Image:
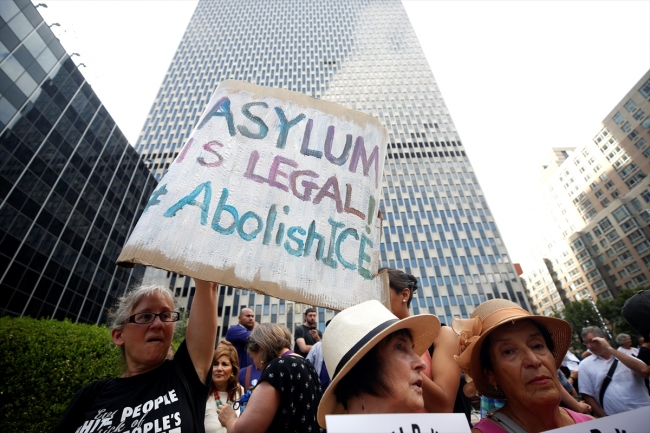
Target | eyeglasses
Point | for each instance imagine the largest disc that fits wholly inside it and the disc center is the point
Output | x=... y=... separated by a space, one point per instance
x=144 y=318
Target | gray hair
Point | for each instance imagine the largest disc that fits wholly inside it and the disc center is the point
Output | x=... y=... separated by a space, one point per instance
x=592 y=330
x=270 y=337
x=620 y=339
x=127 y=303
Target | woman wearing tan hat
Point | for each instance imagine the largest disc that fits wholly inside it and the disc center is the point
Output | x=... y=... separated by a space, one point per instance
x=511 y=354
x=374 y=361
x=441 y=374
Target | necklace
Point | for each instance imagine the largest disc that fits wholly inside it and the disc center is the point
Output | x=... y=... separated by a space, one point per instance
x=217 y=398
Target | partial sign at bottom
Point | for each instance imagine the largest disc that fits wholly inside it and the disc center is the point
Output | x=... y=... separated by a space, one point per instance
x=634 y=421
x=398 y=423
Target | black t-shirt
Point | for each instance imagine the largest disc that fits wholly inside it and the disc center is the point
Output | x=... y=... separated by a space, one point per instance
x=156 y=401
x=300 y=393
x=302 y=331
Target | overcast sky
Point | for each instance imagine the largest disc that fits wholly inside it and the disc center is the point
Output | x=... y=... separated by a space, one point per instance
x=518 y=77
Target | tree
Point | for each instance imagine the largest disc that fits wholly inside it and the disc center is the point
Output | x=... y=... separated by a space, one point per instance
x=610 y=309
x=579 y=314
x=582 y=313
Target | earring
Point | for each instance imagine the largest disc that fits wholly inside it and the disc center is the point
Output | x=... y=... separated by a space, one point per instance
x=403 y=300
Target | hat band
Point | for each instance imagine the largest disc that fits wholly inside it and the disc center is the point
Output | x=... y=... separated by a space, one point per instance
x=366 y=338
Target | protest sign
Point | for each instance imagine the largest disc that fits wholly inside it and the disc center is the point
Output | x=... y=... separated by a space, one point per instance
x=398 y=423
x=634 y=421
x=275 y=192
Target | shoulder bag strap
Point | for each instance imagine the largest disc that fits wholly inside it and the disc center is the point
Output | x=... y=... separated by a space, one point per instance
x=506 y=423
x=606 y=382
x=181 y=376
x=247 y=380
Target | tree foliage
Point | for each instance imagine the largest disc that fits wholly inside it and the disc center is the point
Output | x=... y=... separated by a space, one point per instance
x=582 y=313
x=43 y=363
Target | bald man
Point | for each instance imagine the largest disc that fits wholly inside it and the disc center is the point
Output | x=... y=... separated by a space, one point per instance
x=239 y=333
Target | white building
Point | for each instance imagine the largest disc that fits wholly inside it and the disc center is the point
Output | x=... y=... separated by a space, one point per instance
x=365 y=56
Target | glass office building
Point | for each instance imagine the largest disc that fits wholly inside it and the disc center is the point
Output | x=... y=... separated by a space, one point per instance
x=364 y=55
x=71 y=186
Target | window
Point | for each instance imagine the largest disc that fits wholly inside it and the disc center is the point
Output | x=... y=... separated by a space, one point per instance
x=646 y=123
x=599 y=194
x=630 y=105
x=645 y=89
x=641 y=143
x=611 y=236
x=599 y=285
x=639 y=114
x=628 y=225
x=636 y=236
x=618 y=246
x=628 y=170
x=633 y=135
x=609 y=185
x=626 y=127
x=604 y=225
x=593 y=275
x=618 y=118
x=620 y=213
x=578 y=245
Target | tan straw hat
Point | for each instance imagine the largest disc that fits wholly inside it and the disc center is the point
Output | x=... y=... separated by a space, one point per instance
x=354 y=331
x=486 y=318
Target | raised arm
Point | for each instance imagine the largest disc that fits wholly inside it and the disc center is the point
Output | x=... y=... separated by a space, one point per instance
x=637 y=366
x=201 y=331
x=440 y=393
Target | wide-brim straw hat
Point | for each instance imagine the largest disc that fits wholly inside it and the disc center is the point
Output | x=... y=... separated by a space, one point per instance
x=486 y=318
x=354 y=331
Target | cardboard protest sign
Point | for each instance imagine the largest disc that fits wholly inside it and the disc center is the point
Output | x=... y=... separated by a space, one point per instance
x=398 y=423
x=634 y=421
x=275 y=192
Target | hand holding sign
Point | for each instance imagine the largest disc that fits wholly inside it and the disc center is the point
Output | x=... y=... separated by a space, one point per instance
x=275 y=192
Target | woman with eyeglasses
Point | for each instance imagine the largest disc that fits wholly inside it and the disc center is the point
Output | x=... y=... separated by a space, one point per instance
x=153 y=393
x=225 y=389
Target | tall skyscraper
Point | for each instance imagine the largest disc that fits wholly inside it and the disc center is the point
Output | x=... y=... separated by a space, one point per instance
x=599 y=198
x=363 y=55
x=71 y=186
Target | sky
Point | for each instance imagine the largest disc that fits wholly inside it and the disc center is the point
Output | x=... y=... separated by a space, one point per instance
x=518 y=77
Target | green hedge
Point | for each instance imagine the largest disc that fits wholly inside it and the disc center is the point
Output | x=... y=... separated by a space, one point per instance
x=43 y=363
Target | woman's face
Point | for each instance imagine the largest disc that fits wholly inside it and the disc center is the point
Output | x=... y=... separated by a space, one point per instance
x=524 y=368
x=257 y=359
x=402 y=367
x=146 y=344
x=221 y=371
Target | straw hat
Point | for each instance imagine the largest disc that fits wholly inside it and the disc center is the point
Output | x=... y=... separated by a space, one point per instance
x=356 y=330
x=486 y=318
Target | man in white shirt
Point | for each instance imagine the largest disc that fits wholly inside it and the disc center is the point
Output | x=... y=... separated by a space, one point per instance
x=624 y=342
x=626 y=391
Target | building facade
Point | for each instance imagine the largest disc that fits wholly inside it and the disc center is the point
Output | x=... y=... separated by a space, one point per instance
x=599 y=196
x=71 y=186
x=363 y=55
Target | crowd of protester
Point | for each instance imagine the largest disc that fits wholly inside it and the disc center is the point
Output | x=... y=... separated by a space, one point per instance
x=513 y=366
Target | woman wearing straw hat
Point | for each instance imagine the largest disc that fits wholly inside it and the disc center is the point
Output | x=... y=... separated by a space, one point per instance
x=374 y=361
x=511 y=354
x=441 y=374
